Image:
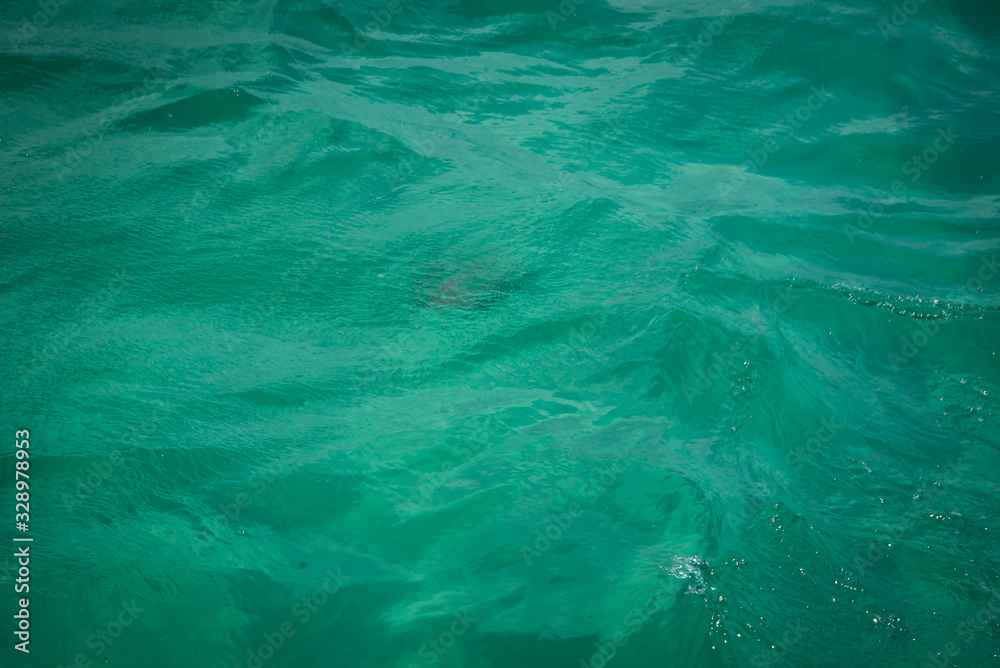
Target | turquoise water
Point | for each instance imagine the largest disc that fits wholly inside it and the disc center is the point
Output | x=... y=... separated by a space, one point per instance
x=503 y=333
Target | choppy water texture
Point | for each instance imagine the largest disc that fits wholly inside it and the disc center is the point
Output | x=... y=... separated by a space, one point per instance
x=504 y=333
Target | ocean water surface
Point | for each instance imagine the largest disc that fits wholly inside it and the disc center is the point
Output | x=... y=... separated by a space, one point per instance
x=503 y=333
